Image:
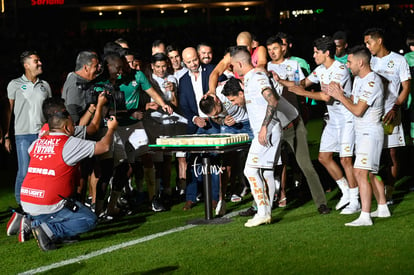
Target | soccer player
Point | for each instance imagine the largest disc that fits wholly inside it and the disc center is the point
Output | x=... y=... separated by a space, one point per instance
x=338 y=135
x=366 y=103
x=394 y=68
x=261 y=103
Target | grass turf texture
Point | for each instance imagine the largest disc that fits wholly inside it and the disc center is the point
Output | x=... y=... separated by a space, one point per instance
x=299 y=241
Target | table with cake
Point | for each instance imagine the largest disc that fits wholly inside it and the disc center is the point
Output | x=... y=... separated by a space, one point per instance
x=203 y=144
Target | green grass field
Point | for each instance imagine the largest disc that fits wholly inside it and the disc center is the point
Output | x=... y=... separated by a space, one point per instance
x=298 y=241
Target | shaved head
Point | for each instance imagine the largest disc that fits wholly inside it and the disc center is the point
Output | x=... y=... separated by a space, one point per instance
x=190 y=59
x=244 y=39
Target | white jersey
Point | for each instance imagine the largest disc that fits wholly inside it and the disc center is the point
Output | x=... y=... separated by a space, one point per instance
x=239 y=114
x=371 y=90
x=394 y=68
x=180 y=73
x=337 y=72
x=161 y=80
x=256 y=104
x=286 y=69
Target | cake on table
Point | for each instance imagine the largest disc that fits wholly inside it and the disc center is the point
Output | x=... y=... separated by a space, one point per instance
x=205 y=139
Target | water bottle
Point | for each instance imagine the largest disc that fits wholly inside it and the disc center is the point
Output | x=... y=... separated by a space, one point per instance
x=296 y=78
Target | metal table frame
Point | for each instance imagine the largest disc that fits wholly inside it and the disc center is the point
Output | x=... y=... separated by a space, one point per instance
x=205 y=150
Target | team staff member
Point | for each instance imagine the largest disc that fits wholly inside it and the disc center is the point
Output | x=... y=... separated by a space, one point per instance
x=50 y=178
x=26 y=95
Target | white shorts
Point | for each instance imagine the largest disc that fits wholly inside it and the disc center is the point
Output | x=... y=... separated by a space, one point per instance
x=396 y=139
x=260 y=156
x=180 y=154
x=368 y=148
x=338 y=139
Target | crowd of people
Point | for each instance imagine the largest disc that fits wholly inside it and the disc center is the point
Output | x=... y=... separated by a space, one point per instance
x=83 y=155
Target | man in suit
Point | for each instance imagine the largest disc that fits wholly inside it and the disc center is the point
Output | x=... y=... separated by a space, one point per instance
x=193 y=85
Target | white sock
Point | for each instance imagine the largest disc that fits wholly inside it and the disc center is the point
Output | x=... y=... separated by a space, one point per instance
x=354 y=195
x=382 y=207
x=343 y=185
x=365 y=215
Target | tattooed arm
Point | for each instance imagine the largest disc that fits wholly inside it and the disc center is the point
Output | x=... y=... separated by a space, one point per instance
x=272 y=99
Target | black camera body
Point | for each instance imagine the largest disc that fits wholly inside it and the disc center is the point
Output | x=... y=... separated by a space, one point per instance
x=116 y=98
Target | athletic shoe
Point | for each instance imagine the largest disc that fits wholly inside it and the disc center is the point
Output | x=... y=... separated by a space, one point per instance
x=251 y=211
x=235 y=198
x=221 y=208
x=360 y=222
x=257 y=220
x=344 y=201
x=244 y=192
x=157 y=206
x=323 y=209
x=13 y=224
x=351 y=209
x=381 y=214
x=25 y=230
x=43 y=241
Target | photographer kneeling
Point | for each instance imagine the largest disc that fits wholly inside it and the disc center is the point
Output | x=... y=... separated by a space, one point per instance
x=49 y=184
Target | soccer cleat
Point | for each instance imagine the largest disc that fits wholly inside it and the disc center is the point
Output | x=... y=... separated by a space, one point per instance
x=13 y=224
x=43 y=241
x=351 y=209
x=257 y=220
x=25 y=230
x=251 y=211
x=344 y=201
x=360 y=222
x=235 y=198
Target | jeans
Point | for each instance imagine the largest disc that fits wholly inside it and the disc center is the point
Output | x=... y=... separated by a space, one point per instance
x=23 y=143
x=65 y=223
x=197 y=178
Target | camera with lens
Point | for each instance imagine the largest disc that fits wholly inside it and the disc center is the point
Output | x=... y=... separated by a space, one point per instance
x=116 y=98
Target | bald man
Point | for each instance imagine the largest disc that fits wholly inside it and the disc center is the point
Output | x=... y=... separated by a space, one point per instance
x=258 y=59
x=193 y=85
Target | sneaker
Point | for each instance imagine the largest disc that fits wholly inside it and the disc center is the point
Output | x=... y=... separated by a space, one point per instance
x=157 y=206
x=25 y=230
x=13 y=225
x=360 y=222
x=351 y=209
x=221 y=208
x=43 y=241
x=199 y=197
x=257 y=220
x=244 y=192
x=251 y=211
x=235 y=198
x=344 y=201
x=323 y=209
x=88 y=202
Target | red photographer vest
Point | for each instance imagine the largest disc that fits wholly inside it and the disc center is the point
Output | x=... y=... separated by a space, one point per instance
x=48 y=176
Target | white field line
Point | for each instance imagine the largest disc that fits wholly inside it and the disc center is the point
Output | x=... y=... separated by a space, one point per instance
x=113 y=248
